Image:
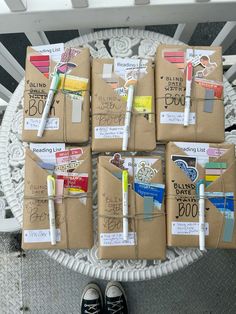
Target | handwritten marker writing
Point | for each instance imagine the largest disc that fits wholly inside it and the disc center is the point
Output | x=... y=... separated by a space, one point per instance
x=189 y=77
x=125 y=204
x=201 y=217
x=52 y=91
x=51 y=209
x=127 y=117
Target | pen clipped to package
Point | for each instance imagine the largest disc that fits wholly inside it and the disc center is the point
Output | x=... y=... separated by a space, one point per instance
x=123 y=113
x=56 y=98
x=131 y=216
x=57 y=197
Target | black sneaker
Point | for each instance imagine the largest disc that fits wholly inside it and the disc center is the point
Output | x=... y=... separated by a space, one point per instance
x=91 y=300
x=115 y=299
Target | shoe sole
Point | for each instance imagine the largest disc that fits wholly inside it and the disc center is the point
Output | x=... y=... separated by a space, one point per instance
x=92 y=286
x=117 y=284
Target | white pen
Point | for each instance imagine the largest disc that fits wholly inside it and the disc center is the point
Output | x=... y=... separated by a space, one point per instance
x=127 y=117
x=125 y=204
x=202 y=217
x=189 y=77
x=52 y=91
x=51 y=208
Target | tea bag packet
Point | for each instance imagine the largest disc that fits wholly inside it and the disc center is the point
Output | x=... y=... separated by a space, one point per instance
x=145 y=236
x=70 y=169
x=123 y=105
x=187 y=166
x=189 y=94
x=68 y=118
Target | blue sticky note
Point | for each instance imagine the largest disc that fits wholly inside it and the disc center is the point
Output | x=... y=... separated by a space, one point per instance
x=46 y=165
x=223 y=203
x=154 y=190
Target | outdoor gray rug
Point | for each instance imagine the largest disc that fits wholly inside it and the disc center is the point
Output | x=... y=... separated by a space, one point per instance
x=36 y=284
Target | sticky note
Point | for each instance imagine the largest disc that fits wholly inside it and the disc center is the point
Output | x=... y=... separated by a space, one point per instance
x=40 y=63
x=209 y=100
x=107 y=70
x=46 y=165
x=59 y=190
x=148 y=207
x=216 y=165
x=39 y=58
x=76 y=110
x=214 y=171
x=211 y=178
x=228 y=228
x=43 y=69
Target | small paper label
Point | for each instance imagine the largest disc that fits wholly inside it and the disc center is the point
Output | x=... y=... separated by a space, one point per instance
x=109 y=132
x=198 y=150
x=116 y=239
x=68 y=155
x=54 y=50
x=121 y=65
x=40 y=236
x=46 y=152
x=172 y=117
x=33 y=124
x=187 y=228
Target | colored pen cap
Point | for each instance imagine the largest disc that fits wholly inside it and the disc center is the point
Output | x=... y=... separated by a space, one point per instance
x=51 y=185
x=125 y=180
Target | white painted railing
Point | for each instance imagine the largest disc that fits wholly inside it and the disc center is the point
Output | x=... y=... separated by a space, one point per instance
x=33 y=17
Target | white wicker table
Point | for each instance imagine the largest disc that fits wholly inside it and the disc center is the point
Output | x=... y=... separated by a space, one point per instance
x=103 y=44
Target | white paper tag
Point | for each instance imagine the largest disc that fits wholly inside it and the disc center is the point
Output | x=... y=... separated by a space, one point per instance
x=116 y=239
x=33 y=124
x=46 y=152
x=198 y=150
x=109 y=132
x=76 y=110
x=107 y=70
x=40 y=236
x=121 y=65
x=55 y=50
x=172 y=117
x=187 y=228
x=138 y=163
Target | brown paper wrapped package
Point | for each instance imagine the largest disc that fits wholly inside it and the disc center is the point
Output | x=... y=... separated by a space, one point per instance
x=182 y=199
x=36 y=90
x=108 y=109
x=151 y=233
x=170 y=97
x=73 y=218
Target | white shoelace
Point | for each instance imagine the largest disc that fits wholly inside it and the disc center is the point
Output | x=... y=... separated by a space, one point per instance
x=92 y=307
x=116 y=306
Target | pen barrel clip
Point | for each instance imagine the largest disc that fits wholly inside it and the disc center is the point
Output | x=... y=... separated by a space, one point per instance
x=125 y=197
x=202 y=217
x=128 y=117
x=51 y=187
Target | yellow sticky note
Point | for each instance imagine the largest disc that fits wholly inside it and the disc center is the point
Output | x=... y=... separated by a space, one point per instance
x=211 y=178
x=72 y=83
x=143 y=104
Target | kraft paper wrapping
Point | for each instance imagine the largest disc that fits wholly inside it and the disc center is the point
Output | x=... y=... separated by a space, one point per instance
x=182 y=199
x=73 y=218
x=108 y=109
x=150 y=233
x=36 y=90
x=170 y=99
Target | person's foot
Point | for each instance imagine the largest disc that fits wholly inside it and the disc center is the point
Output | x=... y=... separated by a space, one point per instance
x=91 y=300
x=115 y=299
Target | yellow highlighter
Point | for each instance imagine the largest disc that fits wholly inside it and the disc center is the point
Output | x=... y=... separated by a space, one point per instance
x=51 y=209
x=125 y=180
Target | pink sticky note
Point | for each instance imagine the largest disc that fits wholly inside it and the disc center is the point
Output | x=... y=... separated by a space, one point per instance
x=59 y=190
